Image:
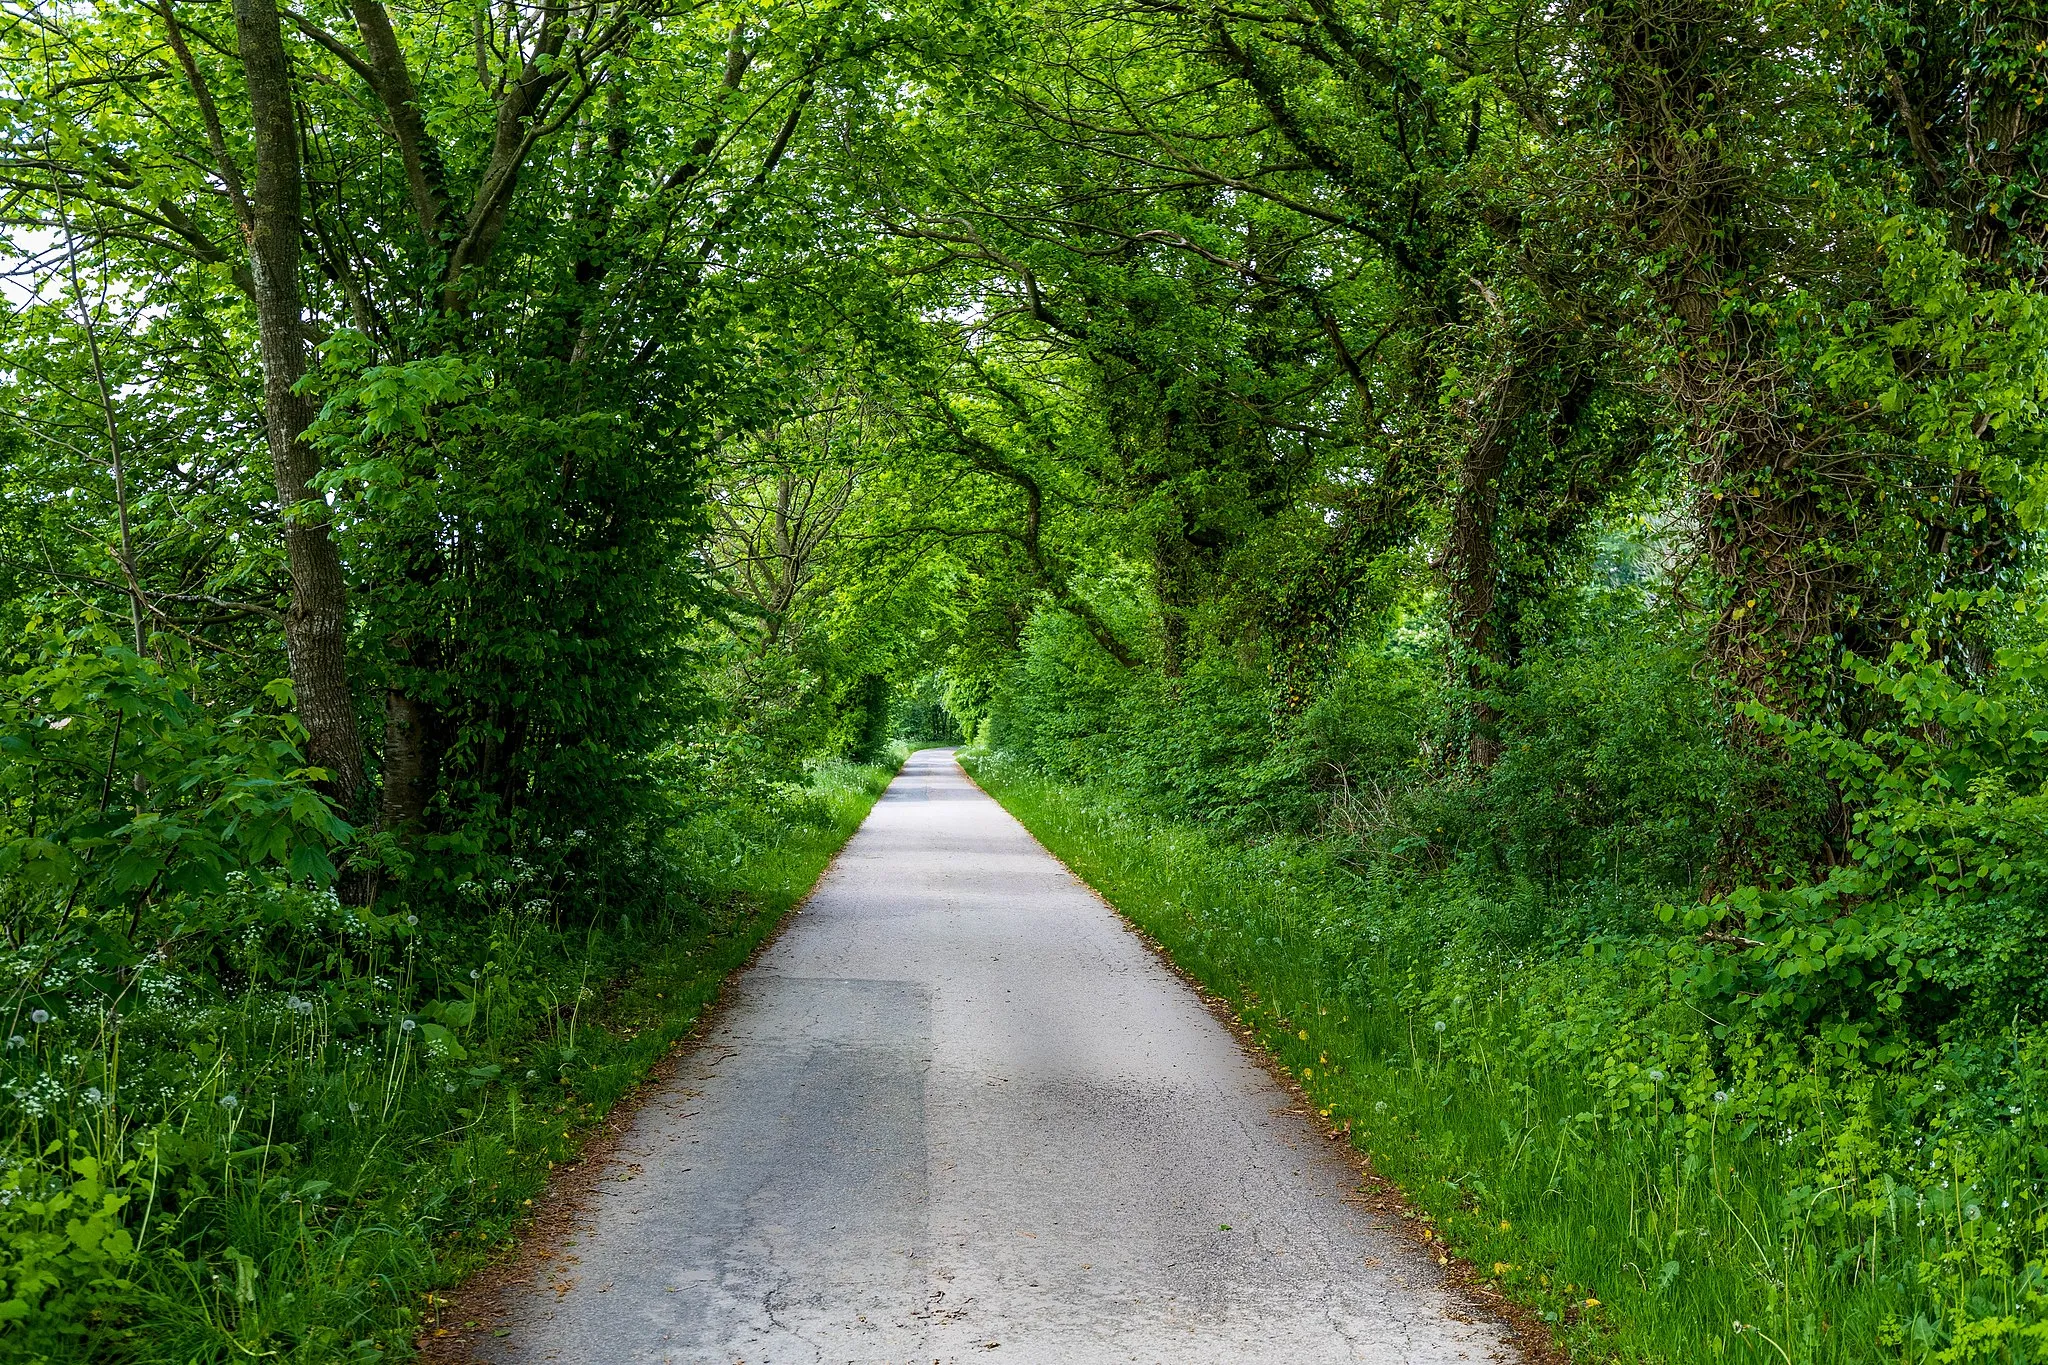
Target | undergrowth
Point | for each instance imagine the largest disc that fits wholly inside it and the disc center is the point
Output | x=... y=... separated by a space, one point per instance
x=282 y=1149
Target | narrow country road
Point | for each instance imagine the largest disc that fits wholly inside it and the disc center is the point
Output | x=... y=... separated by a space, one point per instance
x=958 y=1111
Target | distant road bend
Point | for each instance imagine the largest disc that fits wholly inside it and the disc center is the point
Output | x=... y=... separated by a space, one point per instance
x=958 y=1111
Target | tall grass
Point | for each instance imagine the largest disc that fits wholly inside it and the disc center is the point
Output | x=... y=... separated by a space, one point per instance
x=1656 y=1190
x=219 y=1166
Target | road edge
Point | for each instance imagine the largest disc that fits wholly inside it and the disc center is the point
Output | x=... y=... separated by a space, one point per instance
x=482 y=1298
x=1527 y=1332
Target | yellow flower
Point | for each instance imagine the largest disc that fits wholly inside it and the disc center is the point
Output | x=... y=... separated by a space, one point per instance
x=1303 y=1035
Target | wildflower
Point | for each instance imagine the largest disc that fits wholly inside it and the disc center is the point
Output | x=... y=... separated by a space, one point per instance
x=354 y=1108
x=39 y=1016
x=17 y=1041
x=406 y=1026
x=230 y=1100
x=475 y=975
x=1720 y=1097
x=1656 y=1075
x=1438 y=1026
x=93 y=1095
x=1380 y=1108
x=412 y=919
x=449 y=1087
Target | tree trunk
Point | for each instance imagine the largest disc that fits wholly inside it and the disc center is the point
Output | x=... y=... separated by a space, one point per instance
x=412 y=761
x=316 y=627
x=1471 y=569
x=1676 y=72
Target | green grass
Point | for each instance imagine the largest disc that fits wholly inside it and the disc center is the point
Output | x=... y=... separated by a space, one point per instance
x=324 y=1165
x=1640 y=1228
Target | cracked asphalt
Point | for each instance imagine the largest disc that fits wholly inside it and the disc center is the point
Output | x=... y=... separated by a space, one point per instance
x=959 y=1111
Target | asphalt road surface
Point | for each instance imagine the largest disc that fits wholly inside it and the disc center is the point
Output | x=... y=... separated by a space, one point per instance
x=958 y=1111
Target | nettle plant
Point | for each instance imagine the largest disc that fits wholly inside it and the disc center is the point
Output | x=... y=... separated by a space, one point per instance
x=1938 y=912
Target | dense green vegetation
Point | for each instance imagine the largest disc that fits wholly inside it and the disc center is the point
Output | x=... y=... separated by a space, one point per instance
x=1468 y=513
